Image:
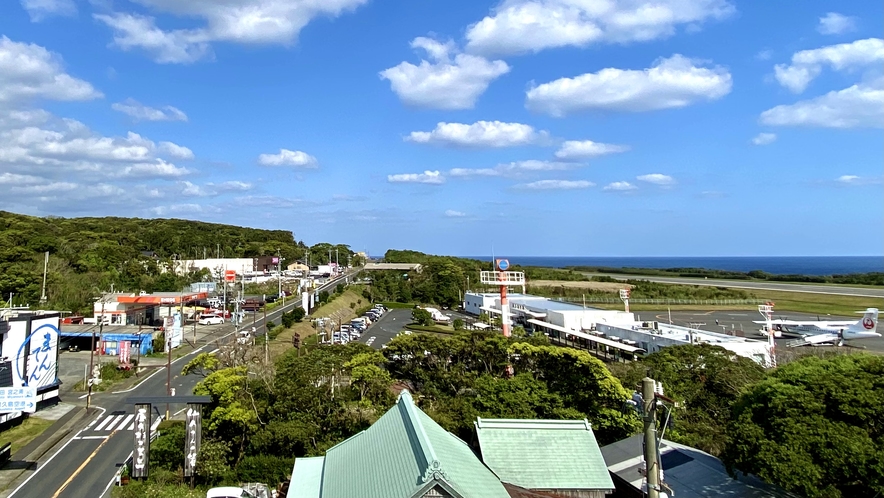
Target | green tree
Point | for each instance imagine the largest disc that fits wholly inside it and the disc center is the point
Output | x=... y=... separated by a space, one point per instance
x=814 y=427
x=288 y=319
x=457 y=324
x=203 y=364
x=422 y=317
x=370 y=379
x=706 y=379
x=298 y=314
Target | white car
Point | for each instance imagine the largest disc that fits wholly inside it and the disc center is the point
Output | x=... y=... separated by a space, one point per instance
x=228 y=492
x=211 y=320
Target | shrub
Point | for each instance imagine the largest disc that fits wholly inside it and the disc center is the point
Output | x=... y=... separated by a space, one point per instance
x=298 y=314
x=269 y=469
x=457 y=324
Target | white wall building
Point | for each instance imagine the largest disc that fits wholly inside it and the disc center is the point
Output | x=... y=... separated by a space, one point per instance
x=29 y=354
x=607 y=331
x=216 y=265
x=525 y=307
x=651 y=336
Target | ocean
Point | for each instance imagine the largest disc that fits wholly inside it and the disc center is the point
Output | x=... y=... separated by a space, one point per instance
x=783 y=265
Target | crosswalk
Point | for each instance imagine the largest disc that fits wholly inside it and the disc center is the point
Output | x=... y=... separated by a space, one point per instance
x=118 y=422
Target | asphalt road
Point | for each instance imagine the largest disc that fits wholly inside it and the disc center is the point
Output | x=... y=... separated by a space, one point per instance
x=86 y=464
x=384 y=330
x=773 y=286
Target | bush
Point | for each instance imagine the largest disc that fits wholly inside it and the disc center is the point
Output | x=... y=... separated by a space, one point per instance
x=159 y=343
x=288 y=319
x=167 y=451
x=422 y=317
x=339 y=289
x=299 y=314
x=457 y=324
x=269 y=469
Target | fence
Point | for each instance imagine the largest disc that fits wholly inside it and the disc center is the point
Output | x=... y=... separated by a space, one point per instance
x=706 y=302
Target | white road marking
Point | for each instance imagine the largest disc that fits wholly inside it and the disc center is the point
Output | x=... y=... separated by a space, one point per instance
x=110 y=427
x=125 y=423
x=104 y=422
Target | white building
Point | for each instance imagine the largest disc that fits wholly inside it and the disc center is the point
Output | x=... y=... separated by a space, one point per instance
x=610 y=332
x=651 y=336
x=524 y=308
x=29 y=354
x=217 y=265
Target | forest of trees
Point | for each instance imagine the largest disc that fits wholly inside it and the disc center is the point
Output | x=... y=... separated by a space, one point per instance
x=810 y=426
x=88 y=255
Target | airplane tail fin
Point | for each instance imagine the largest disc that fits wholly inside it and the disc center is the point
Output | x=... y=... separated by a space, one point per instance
x=868 y=323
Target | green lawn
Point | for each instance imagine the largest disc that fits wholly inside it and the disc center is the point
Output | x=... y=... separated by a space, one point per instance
x=24 y=433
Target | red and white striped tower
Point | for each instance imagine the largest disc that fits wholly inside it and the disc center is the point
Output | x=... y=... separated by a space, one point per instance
x=503 y=278
x=766 y=311
x=504 y=305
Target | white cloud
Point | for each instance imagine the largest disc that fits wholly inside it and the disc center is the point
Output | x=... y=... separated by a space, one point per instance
x=429 y=177
x=175 y=150
x=556 y=185
x=854 y=180
x=287 y=157
x=657 y=179
x=834 y=23
x=619 y=187
x=859 y=106
x=764 y=138
x=29 y=71
x=239 y=21
x=669 y=83
x=231 y=186
x=808 y=64
x=584 y=149
x=454 y=214
x=764 y=55
x=444 y=83
x=520 y=26
x=141 y=112
x=41 y=9
x=479 y=134
x=513 y=168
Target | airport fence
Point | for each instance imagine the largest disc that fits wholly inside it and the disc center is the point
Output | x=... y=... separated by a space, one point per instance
x=687 y=302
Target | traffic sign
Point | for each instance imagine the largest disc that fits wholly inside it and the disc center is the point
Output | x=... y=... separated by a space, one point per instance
x=230 y=275
x=503 y=264
x=18 y=399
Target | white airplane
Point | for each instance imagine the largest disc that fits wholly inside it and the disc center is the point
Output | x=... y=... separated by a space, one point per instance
x=836 y=332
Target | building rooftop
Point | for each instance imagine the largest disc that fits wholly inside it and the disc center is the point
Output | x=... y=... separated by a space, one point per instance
x=690 y=473
x=536 y=301
x=306 y=481
x=543 y=454
x=406 y=454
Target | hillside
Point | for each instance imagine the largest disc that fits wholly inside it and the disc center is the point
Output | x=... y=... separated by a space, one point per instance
x=90 y=254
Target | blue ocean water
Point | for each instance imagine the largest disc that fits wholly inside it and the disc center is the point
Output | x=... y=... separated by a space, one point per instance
x=803 y=265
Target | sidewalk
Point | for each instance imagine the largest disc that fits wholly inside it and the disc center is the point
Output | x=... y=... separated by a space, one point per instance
x=25 y=460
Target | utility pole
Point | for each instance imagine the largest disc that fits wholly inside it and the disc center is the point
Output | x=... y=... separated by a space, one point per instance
x=266 y=339
x=649 y=414
x=279 y=276
x=168 y=371
x=45 y=268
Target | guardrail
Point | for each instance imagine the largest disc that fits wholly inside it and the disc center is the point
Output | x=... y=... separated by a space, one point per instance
x=707 y=302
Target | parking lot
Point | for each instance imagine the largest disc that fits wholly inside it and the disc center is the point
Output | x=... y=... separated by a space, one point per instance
x=384 y=330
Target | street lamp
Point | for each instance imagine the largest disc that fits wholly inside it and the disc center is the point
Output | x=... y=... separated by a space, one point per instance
x=91 y=379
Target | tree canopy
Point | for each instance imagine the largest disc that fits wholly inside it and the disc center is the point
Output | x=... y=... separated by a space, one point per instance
x=705 y=379
x=87 y=255
x=814 y=427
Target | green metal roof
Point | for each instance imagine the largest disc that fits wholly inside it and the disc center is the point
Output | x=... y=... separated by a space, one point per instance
x=306 y=479
x=543 y=454
x=403 y=455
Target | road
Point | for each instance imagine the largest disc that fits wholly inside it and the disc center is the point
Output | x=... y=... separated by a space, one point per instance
x=772 y=286
x=86 y=464
x=386 y=328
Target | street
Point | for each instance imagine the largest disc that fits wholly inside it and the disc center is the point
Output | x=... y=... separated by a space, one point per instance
x=85 y=465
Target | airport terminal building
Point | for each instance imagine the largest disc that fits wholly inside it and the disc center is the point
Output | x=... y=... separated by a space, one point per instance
x=613 y=334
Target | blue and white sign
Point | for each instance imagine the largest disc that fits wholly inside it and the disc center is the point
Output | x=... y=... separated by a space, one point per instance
x=35 y=363
x=503 y=264
x=18 y=399
x=177 y=333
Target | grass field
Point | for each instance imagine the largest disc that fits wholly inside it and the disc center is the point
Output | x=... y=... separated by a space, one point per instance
x=24 y=433
x=339 y=308
x=806 y=302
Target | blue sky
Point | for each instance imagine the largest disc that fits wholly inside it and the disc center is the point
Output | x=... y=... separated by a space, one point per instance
x=538 y=127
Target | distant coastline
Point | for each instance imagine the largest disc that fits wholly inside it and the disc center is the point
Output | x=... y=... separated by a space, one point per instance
x=780 y=265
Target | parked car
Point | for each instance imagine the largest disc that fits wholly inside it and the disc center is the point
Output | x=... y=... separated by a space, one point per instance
x=228 y=492
x=211 y=320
